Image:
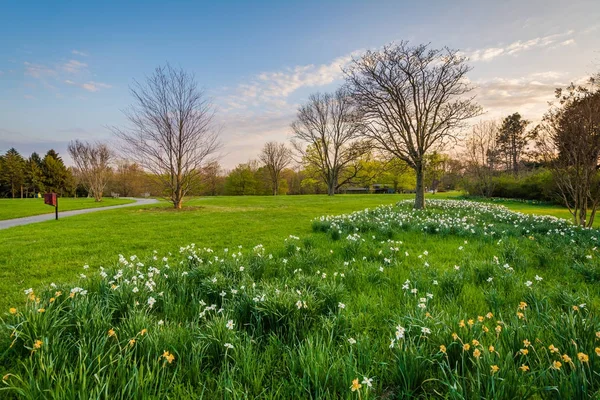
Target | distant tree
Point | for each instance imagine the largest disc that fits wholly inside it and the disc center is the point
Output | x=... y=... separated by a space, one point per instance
x=481 y=157
x=326 y=136
x=275 y=157
x=13 y=172
x=92 y=165
x=570 y=143
x=511 y=141
x=34 y=174
x=411 y=100
x=435 y=169
x=241 y=181
x=171 y=132
x=57 y=178
x=128 y=179
x=212 y=178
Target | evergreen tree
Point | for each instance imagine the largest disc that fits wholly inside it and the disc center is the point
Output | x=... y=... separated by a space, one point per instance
x=13 y=173
x=511 y=141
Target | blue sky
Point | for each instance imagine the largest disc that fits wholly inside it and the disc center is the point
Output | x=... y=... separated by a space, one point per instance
x=65 y=67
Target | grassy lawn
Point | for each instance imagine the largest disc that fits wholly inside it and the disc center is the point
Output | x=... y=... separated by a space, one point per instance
x=54 y=251
x=463 y=300
x=18 y=208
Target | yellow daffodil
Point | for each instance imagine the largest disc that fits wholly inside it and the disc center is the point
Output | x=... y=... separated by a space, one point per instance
x=461 y=324
x=131 y=342
x=111 y=332
x=466 y=347
x=524 y=351
x=443 y=348
x=454 y=336
x=566 y=358
x=143 y=332
x=485 y=329
x=476 y=353
x=52 y=299
x=522 y=305
x=494 y=369
x=475 y=342
x=598 y=351
x=12 y=310
x=526 y=343
x=553 y=349
x=168 y=356
x=491 y=349
x=583 y=357
x=520 y=315
x=57 y=294
x=480 y=318
x=498 y=329
x=470 y=322
x=556 y=365
x=355 y=385
x=37 y=344
x=489 y=315
x=41 y=310
x=524 y=368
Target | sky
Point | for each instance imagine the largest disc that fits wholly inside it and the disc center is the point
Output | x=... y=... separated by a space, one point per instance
x=66 y=66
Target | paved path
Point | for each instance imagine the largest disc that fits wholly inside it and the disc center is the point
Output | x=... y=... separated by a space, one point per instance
x=9 y=223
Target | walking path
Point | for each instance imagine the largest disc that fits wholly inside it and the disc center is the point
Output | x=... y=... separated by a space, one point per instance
x=9 y=223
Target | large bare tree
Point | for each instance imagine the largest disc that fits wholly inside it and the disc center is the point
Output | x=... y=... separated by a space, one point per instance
x=570 y=143
x=92 y=165
x=412 y=100
x=171 y=132
x=327 y=137
x=275 y=156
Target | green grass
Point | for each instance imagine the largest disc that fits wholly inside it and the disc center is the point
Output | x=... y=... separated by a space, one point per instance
x=18 y=208
x=310 y=314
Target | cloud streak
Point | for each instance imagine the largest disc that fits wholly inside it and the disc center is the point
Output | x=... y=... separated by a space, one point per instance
x=90 y=86
x=514 y=48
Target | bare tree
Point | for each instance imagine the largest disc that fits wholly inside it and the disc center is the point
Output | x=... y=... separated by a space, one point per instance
x=171 y=130
x=326 y=135
x=481 y=156
x=92 y=165
x=570 y=144
x=412 y=100
x=275 y=156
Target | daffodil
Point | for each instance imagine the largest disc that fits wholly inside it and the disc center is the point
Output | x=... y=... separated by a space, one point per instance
x=524 y=368
x=466 y=346
x=526 y=343
x=12 y=310
x=37 y=344
x=111 y=332
x=168 y=356
x=556 y=365
x=553 y=349
x=443 y=348
x=524 y=351
x=583 y=357
x=494 y=369
x=355 y=385
x=598 y=351
x=476 y=353
x=566 y=358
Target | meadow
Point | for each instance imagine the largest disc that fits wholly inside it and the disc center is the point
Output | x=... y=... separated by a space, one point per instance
x=19 y=208
x=302 y=297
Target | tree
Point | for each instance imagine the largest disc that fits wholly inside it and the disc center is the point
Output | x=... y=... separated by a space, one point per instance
x=13 y=172
x=212 y=178
x=435 y=169
x=92 y=165
x=275 y=156
x=511 y=141
x=34 y=174
x=128 y=179
x=480 y=156
x=171 y=132
x=57 y=178
x=241 y=181
x=570 y=144
x=329 y=128
x=411 y=101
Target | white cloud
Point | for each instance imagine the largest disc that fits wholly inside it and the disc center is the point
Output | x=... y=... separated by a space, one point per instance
x=519 y=46
x=90 y=86
x=79 y=53
x=74 y=66
x=38 y=70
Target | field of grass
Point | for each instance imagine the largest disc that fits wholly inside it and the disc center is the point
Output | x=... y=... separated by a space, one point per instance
x=463 y=300
x=18 y=208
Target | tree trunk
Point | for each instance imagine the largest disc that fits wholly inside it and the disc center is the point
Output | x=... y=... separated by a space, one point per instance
x=420 y=195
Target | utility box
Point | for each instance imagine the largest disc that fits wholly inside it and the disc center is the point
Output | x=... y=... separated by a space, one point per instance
x=50 y=199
